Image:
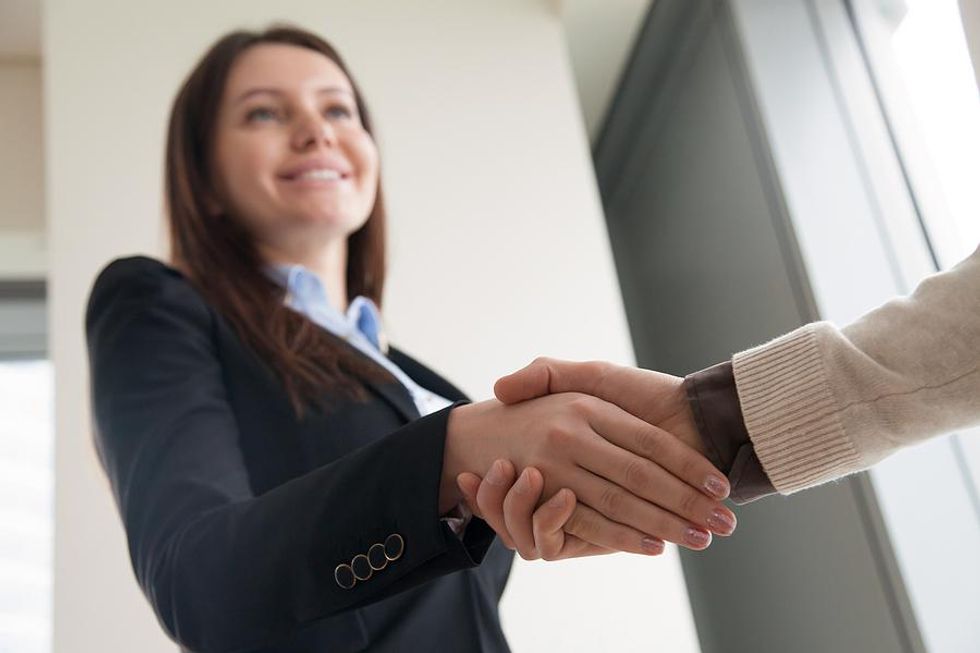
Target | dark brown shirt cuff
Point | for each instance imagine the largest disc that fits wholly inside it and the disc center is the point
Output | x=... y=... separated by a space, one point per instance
x=713 y=397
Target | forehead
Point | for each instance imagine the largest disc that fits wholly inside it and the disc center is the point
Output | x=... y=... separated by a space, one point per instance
x=289 y=68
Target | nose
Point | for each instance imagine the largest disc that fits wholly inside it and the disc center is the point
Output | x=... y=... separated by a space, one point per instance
x=313 y=130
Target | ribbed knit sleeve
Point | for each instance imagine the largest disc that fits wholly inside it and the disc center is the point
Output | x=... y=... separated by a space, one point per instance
x=822 y=402
x=791 y=412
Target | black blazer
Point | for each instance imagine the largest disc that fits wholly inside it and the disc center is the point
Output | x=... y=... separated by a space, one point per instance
x=240 y=518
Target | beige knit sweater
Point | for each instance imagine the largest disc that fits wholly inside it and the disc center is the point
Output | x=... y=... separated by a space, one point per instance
x=822 y=402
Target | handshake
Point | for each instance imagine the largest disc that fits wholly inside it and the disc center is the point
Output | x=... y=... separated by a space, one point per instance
x=579 y=459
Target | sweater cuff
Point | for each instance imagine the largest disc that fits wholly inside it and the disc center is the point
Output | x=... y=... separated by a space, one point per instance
x=714 y=401
x=790 y=411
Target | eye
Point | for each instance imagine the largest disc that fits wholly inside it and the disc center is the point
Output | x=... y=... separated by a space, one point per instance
x=338 y=111
x=261 y=114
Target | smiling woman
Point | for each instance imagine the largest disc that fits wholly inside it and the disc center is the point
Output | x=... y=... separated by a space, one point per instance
x=278 y=114
x=288 y=481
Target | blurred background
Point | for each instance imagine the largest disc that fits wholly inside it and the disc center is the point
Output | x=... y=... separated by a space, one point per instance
x=660 y=183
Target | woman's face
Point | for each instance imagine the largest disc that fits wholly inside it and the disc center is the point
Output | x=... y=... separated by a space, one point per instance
x=292 y=159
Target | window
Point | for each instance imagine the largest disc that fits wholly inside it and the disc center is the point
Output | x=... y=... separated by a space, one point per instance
x=921 y=66
x=919 y=63
x=26 y=505
x=870 y=108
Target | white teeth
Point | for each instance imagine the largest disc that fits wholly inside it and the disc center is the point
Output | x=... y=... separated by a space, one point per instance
x=322 y=173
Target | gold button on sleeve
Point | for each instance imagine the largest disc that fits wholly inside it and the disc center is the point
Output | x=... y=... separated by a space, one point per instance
x=376 y=557
x=361 y=567
x=344 y=576
x=394 y=547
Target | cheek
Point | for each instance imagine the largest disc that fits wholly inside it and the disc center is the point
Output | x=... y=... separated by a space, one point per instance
x=244 y=169
x=366 y=154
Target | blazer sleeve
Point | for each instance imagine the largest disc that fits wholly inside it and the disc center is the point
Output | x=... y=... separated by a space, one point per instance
x=226 y=570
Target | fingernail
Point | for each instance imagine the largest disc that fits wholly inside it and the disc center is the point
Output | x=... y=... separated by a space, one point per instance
x=559 y=501
x=496 y=474
x=717 y=487
x=722 y=522
x=697 y=537
x=652 y=545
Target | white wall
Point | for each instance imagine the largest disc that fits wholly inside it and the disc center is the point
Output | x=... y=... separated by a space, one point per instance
x=493 y=207
x=22 y=253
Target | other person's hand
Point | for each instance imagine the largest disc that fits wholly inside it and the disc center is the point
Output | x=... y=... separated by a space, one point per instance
x=654 y=397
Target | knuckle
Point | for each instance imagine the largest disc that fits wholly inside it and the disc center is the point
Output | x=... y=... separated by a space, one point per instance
x=601 y=372
x=583 y=525
x=613 y=502
x=648 y=444
x=558 y=436
x=635 y=475
x=582 y=404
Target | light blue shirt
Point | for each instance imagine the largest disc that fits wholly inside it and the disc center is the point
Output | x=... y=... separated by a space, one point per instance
x=360 y=326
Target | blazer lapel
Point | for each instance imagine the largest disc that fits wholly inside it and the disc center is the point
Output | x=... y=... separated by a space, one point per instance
x=425 y=377
x=395 y=394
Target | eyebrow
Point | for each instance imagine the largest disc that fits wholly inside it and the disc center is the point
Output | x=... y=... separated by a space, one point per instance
x=275 y=91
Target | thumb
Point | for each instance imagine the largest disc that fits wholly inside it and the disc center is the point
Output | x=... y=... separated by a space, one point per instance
x=547 y=376
x=526 y=383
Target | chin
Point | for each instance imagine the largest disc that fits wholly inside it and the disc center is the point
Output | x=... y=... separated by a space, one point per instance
x=336 y=225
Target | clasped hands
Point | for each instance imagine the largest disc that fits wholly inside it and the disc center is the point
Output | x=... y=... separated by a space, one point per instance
x=579 y=459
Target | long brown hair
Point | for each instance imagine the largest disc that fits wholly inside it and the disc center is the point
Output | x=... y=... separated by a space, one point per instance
x=222 y=261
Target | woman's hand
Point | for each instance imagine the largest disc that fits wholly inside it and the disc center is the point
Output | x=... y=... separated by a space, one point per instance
x=511 y=509
x=631 y=480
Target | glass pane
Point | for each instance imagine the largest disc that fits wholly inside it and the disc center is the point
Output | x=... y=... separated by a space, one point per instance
x=26 y=506
x=921 y=62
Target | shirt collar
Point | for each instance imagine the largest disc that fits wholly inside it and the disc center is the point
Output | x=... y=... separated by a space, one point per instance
x=305 y=293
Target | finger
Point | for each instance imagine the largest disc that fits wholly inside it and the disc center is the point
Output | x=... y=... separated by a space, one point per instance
x=597 y=533
x=576 y=548
x=519 y=507
x=547 y=376
x=654 y=465
x=469 y=484
x=550 y=538
x=619 y=505
x=490 y=498
x=548 y=524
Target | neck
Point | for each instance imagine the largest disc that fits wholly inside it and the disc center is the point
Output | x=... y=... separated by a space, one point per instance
x=328 y=262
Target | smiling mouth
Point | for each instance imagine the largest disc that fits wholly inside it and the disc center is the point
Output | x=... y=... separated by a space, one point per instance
x=320 y=174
